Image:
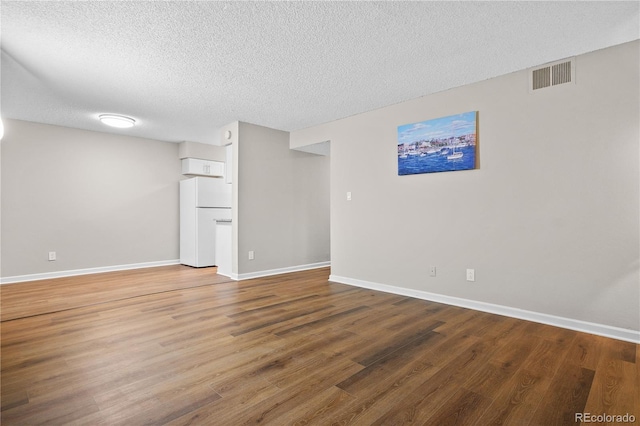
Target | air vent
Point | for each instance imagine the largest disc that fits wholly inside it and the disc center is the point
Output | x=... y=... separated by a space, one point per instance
x=541 y=78
x=552 y=75
x=561 y=73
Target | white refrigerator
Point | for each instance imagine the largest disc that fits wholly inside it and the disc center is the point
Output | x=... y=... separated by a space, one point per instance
x=204 y=203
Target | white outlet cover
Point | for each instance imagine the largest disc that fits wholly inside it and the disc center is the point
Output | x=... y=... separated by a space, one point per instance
x=471 y=274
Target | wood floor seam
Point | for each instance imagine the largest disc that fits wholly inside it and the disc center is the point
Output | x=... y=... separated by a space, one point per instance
x=99 y=303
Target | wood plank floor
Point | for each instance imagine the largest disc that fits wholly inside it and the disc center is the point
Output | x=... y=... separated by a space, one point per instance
x=46 y=296
x=187 y=347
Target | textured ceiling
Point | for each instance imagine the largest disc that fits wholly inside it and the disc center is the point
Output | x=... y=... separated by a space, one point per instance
x=184 y=69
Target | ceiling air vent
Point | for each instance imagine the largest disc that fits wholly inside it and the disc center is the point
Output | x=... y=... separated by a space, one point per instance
x=550 y=75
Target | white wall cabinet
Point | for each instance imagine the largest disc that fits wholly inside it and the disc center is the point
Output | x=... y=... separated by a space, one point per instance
x=198 y=167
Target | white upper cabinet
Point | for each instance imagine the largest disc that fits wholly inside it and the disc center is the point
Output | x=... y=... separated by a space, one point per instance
x=198 y=167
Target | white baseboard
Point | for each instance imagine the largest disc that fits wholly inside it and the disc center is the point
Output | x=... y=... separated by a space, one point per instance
x=228 y=275
x=627 y=335
x=279 y=271
x=74 y=272
x=236 y=277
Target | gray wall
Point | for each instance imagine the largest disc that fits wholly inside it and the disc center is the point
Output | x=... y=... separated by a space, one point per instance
x=283 y=202
x=96 y=199
x=549 y=221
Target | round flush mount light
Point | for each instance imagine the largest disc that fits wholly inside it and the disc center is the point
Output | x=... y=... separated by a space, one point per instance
x=119 y=121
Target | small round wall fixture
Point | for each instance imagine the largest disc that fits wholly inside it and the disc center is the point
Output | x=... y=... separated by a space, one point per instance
x=119 y=121
x=227 y=134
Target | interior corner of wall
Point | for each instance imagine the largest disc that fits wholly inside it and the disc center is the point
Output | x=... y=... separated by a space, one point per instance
x=318 y=135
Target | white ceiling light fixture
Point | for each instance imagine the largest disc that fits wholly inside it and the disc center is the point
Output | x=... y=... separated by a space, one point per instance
x=119 y=121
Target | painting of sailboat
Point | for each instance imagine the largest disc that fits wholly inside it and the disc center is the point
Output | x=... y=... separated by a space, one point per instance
x=438 y=145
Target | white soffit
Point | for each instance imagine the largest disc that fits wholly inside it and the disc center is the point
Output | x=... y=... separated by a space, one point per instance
x=186 y=68
x=320 y=148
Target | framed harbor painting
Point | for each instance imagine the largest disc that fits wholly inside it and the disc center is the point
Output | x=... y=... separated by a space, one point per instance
x=439 y=145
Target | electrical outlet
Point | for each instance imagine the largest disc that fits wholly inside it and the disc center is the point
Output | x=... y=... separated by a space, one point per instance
x=52 y=255
x=471 y=274
x=251 y=255
x=432 y=271
x=349 y=196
